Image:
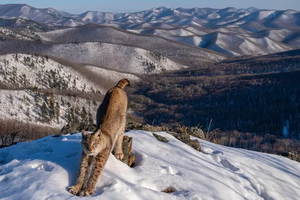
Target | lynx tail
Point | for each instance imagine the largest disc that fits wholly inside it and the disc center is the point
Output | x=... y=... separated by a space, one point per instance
x=122 y=83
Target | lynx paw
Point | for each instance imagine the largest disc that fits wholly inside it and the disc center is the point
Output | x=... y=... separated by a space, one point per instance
x=119 y=156
x=86 y=193
x=74 y=190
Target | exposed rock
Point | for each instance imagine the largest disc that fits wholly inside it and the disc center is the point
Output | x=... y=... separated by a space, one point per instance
x=185 y=138
x=168 y=190
x=75 y=128
x=197 y=132
x=160 y=138
x=131 y=125
x=194 y=131
x=194 y=144
x=294 y=155
x=127 y=148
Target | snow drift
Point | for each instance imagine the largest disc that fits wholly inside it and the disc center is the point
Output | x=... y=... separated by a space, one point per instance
x=43 y=169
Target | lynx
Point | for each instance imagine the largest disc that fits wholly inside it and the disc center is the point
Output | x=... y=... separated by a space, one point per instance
x=98 y=145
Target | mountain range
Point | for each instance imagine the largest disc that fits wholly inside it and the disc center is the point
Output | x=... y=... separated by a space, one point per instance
x=160 y=17
x=228 y=31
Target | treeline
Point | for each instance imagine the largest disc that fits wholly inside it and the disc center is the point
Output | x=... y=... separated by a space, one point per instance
x=12 y=131
x=256 y=103
x=267 y=143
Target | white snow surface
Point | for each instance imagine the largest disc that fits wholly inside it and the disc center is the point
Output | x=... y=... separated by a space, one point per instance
x=15 y=68
x=45 y=168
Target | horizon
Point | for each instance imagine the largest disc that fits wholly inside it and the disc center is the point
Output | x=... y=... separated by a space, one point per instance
x=78 y=8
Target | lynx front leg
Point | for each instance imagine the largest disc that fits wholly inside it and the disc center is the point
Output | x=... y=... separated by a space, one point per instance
x=97 y=169
x=75 y=189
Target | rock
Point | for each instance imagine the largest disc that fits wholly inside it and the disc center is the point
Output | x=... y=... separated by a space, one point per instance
x=194 y=144
x=160 y=138
x=194 y=131
x=294 y=155
x=168 y=190
x=128 y=158
x=185 y=138
x=197 y=132
x=91 y=127
x=150 y=128
x=131 y=125
x=75 y=128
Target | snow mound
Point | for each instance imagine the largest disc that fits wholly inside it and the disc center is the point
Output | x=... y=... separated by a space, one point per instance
x=43 y=169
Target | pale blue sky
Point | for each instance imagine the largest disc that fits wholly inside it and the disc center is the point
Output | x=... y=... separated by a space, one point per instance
x=79 y=6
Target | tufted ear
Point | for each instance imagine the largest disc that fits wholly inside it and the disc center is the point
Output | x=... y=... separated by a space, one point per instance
x=98 y=133
x=84 y=134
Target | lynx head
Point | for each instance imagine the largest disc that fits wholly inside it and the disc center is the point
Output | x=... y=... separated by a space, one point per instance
x=91 y=142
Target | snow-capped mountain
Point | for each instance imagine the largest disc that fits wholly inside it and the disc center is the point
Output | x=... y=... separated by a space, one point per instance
x=43 y=169
x=251 y=18
x=228 y=31
x=47 y=15
x=86 y=44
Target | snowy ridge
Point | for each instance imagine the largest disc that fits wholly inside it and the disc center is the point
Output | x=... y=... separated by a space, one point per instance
x=10 y=33
x=25 y=105
x=35 y=71
x=189 y=26
x=28 y=170
x=206 y=17
x=26 y=73
x=168 y=48
x=115 y=57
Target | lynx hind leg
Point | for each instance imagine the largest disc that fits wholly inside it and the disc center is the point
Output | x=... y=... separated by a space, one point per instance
x=118 y=152
x=97 y=169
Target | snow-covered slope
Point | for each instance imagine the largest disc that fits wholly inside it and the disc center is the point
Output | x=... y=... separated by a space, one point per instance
x=115 y=57
x=242 y=45
x=86 y=44
x=47 y=15
x=23 y=24
x=6 y=32
x=26 y=71
x=32 y=81
x=251 y=18
x=43 y=169
x=124 y=59
x=256 y=31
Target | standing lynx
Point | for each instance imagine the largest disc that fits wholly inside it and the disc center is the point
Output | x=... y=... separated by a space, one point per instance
x=97 y=146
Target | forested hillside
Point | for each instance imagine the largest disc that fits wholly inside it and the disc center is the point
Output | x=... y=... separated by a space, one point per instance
x=258 y=95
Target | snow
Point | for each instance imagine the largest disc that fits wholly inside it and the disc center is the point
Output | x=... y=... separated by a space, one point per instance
x=213 y=16
x=43 y=169
x=13 y=34
x=27 y=71
x=196 y=31
x=175 y=32
x=35 y=69
x=20 y=105
x=115 y=57
x=265 y=13
x=111 y=75
x=88 y=17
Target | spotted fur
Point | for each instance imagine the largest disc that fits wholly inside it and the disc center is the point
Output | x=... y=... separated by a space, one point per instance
x=98 y=145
